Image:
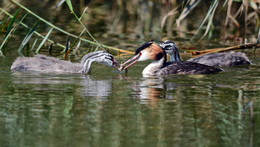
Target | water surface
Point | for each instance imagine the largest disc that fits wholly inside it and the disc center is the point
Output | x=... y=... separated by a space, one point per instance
x=114 y=109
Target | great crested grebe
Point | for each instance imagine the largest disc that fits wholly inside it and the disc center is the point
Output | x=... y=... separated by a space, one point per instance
x=212 y=59
x=46 y=64
x=151 y=50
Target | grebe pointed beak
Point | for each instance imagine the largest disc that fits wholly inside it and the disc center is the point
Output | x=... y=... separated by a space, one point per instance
x=134 y=59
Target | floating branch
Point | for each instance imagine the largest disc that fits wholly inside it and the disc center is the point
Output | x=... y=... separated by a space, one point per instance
x=237 y=47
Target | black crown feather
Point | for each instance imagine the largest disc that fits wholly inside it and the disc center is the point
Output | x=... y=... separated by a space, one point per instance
x=144 y=46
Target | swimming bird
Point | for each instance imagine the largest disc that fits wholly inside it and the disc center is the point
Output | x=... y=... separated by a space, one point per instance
x=212 y=59
x=171 y=49
x=46 y=64
x=150 y=50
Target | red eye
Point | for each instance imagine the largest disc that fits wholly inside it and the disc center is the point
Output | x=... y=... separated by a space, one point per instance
x=140 y=53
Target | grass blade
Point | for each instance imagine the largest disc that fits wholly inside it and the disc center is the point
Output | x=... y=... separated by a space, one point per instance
x=70 y=5
x=9 y=35
x=208 y=17
x=210 y=22
x=258 y=38
x=34 y=43
x=172 y=12
x=65 y=32
x=7 y=7
x=83 y=13
x=50 y=49
x=5 y=42
x=67 y=50
x=60 y=3
x=190 y=6
x=10 y=25
x=44 y=40
x=67 y=44
x=77 y=47
x=27 y=37
x=3 y=25
x=74 y=43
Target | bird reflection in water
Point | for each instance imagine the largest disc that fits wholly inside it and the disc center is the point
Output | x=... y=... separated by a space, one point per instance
x=89 y=86
x=96 y=88
x=150 y=90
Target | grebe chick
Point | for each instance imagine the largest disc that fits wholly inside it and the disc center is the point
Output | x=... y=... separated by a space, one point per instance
x=46 y=64
x=171 y=49
x=158 y=67
x=212 y=59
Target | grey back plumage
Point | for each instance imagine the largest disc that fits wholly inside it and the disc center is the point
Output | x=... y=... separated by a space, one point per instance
x=46 y=64
x=223 y=59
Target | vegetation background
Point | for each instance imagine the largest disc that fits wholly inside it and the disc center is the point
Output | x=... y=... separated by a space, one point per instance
x=118 y=25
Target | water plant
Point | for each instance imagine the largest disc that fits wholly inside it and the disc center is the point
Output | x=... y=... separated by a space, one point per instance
x=172 y=15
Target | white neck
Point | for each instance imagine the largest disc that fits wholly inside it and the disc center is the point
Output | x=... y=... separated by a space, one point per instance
x=86 y=66
x=153 y=67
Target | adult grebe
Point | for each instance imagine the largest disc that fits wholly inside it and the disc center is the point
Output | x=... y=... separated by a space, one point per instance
x=42 y=63
x=212 y=59
x=151 y=50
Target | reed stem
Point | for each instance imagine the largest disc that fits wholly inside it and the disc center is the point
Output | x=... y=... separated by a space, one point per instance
x=67 y=33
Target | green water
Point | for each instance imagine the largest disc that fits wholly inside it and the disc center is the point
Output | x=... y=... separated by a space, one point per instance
x=112 y=109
